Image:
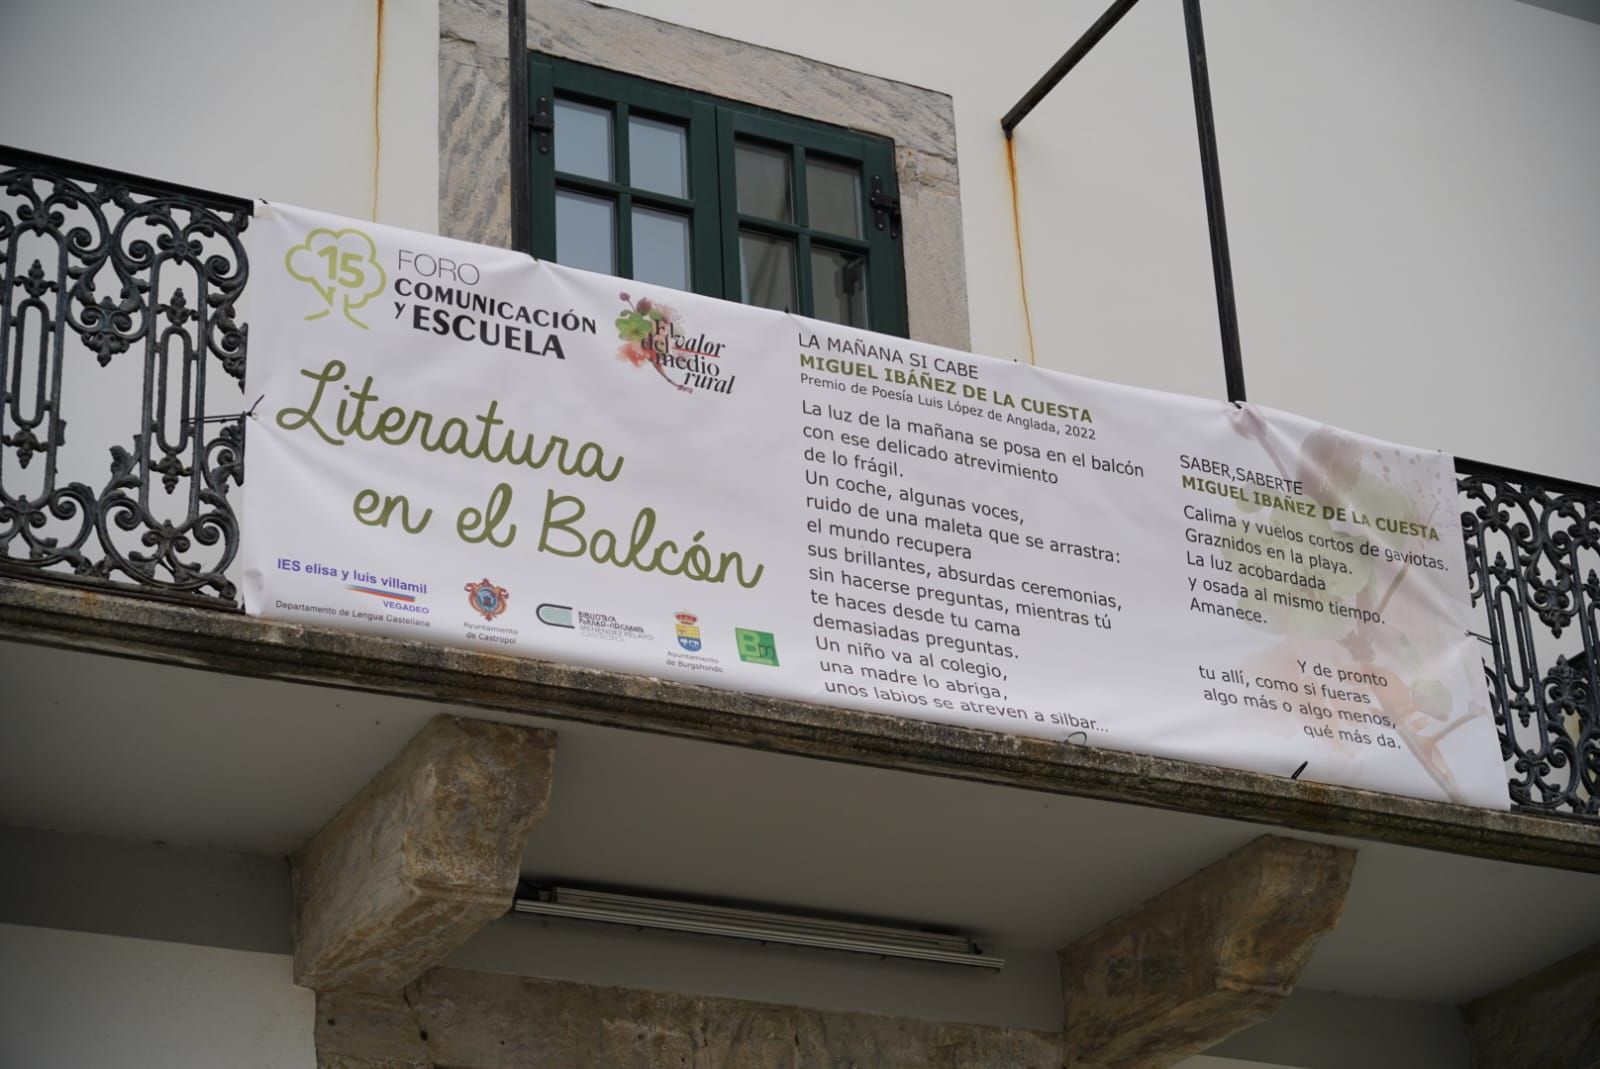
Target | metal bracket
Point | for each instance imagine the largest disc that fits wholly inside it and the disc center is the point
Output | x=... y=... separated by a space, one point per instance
x=543 y=124
x=885 y=208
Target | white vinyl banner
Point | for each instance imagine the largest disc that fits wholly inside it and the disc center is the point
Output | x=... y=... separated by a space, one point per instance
x=458 y=444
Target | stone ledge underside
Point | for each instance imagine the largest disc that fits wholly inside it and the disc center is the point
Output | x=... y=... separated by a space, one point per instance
x=422 y=857
x=1204 y=960
x=1548 y=1018
x=107 y=623
x=475 y=1020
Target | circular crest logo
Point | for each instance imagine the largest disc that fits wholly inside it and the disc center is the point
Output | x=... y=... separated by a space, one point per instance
x=487 y=599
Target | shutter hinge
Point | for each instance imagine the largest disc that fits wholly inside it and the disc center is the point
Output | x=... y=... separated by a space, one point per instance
x=543 y=124
x=885 y=209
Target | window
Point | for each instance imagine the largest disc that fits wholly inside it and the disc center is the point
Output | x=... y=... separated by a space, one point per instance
x=645 y=180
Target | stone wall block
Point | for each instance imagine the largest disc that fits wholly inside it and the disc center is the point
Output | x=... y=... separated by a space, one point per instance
x=426 y=854
x=1209 y=957
x=477 y=1020
x=362 y=1030
x=1546 y=1019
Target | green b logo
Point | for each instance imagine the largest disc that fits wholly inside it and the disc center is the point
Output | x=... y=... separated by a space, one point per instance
x=342 y=266
x=756 y=647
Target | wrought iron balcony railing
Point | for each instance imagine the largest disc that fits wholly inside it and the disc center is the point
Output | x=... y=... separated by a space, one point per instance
x=119 y=289
x=1533 y=546
x=118 y=300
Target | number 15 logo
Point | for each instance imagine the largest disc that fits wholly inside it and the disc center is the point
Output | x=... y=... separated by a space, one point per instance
x=342 y=266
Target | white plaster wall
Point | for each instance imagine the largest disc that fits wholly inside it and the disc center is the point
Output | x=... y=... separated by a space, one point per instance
x=1410 y=187
x=282 y=100
x=271 y=100
x=1410 y=195
x=70 y=999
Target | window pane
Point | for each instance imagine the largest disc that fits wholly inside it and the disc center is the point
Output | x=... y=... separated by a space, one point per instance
x=658 y=156
x=762 y=176
x=583 y=139
x=839 y=286
x=833 y=196
x=583 y=232
x=766 y=271
x=661 y=247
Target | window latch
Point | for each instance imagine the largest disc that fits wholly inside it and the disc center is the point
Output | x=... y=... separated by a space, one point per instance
x=885 y=209
x=543 y=124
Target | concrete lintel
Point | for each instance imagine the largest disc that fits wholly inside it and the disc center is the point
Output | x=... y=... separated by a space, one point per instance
x=477 y=1020
x=1206 y=958
x=98 y=622
x=363 y=1030
x=422 y=857
x=1548 y=1018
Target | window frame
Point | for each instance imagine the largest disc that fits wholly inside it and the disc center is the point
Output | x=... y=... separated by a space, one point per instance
x=712 y=125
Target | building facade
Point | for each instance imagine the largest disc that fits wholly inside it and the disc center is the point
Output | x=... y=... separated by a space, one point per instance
x=237 y=842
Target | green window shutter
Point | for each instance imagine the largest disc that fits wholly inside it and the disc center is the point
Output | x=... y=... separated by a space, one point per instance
x=886 y=265
x=541 y=160
x=864 y=264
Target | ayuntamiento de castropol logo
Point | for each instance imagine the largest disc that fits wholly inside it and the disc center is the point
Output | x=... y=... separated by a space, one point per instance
x=342 y=266
x=487 y=599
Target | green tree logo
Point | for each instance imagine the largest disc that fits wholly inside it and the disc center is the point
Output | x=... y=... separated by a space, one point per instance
x=342 y=266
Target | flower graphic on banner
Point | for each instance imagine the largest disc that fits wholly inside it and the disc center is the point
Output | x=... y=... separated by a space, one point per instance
x=342 y=266
x=645 y=328
x=1334 y=467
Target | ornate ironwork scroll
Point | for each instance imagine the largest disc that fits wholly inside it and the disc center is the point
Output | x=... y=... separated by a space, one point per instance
x=1533 y=547
x=102 y=270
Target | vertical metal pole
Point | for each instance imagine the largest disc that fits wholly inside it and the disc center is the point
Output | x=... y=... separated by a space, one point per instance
x=1211 y=175
x=521 y=191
